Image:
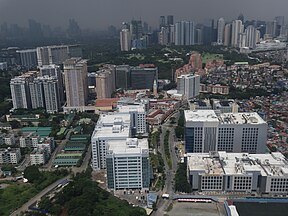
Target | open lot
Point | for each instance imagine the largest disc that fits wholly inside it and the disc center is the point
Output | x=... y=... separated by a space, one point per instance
x=196 y=209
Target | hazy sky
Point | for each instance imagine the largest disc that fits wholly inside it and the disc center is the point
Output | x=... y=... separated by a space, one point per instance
x=98 y=14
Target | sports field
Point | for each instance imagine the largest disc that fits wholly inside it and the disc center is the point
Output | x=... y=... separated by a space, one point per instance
x=261 y=208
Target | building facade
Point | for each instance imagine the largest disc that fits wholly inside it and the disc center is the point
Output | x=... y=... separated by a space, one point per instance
x=28 y=58
x=75 y=75
x=10 y=156
x=238 y=172
x=109 y=127
x=143 y=77
x=232 y=132
x=128 y=165
x=105 y=82
x=125 y=40
x=20 y=91
x=188 y=85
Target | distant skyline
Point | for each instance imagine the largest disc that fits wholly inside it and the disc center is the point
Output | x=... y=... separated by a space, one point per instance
x=98 y=14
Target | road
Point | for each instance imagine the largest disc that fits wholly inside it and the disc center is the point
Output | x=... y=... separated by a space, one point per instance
x=58 y=150
x=38 y=197
x=85 y=162
x=170 y=173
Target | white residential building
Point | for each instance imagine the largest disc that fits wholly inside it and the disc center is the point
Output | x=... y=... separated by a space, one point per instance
x=232 y=132
x=30 y=140
x=220 y=31
x=76 y=82
x=38 y=157
x=237 y=30
x=188 y=85
x=240 y=172
x=20 y=92
x=125 y=40
x=128 y=164
x=10 y=156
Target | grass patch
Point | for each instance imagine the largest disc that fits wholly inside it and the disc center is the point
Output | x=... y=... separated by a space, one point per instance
x=15 y=195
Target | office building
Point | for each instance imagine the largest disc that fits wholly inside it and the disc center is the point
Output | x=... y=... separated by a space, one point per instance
x=238 y=172
x=122 y=76
x=28 y=58
x=10 y=156
x=125 y=40
x=220 y=31
x=162 y=22
x=232 y=132
x=137 y=116
x=109 y=127
x=143 y=76
x=20 y=91
x=128 y=165
x=105 y=82
x=188 y=85
x=170 y=20
x=237 y=29
x=136 y=29
x=75 y=75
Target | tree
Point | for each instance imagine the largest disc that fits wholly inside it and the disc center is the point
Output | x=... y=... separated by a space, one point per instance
x=15 y=124
x=179 y=132
x=181 y=183
x=33 y=174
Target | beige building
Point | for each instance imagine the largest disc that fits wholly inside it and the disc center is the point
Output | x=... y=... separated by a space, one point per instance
x=105 y=82
x=75 y=75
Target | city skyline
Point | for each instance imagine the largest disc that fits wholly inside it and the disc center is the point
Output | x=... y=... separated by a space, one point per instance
x=98 y=15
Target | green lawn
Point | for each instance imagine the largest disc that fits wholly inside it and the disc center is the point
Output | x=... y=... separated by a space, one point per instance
x=210 y=56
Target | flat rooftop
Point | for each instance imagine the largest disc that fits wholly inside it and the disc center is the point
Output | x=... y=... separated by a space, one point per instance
x=241 y=118
x=110 y=132
x=200 y=116
x=223 y=118
x=128 y=146
x=274 y=164
x=131 y=108
x=109 y=119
